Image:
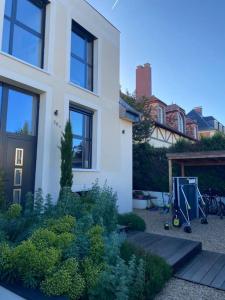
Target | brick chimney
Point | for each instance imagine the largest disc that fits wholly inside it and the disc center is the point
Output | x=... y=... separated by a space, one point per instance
x=143 y=81
x=198 y=109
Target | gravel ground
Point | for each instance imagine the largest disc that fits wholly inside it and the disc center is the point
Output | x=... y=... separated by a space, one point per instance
x=212 y=238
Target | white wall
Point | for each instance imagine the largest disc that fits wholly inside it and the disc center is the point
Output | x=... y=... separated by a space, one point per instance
x=52 y=84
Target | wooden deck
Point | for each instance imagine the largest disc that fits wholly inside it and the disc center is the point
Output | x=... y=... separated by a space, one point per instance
x=206 y=268
x=186 y=257
x=175 y=251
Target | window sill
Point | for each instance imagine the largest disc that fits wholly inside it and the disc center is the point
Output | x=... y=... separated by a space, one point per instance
x=25 y=63
x=86 y=170
x=83 y=89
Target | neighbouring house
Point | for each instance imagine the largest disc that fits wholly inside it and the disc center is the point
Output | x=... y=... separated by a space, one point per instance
x=59 y=60
x=207 y=126
x=170 y=122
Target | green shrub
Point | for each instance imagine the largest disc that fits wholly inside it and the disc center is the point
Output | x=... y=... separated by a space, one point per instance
x=14 y=211
x=157 y=272
x=32 y=264
x=96 y=243
x=61 y=225
x=66 y=281
x=132 y=220
x=104 y=208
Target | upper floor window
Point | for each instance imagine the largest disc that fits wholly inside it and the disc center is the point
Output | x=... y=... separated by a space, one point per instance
x=81 y=122
x=23 y=30
x=180 y=123
x=82 y=48
x=160 y=114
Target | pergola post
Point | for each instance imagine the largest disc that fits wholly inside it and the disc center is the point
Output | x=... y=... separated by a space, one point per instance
x=170 y=165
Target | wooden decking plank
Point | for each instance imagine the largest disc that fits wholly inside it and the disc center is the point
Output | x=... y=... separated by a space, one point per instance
x=219 y=279
x=206 y=266
x=196 y=264
x=218 y=265
x=141 y=237
x=167 y=247
x=158 y=246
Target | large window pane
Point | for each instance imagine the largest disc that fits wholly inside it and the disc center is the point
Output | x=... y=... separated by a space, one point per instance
x=6 y=35
x=8 y=7
x=78 y=46
x=77 y=153
x=27 y=46
x=21 y=113
x=76 y=120
x=78 y=74
x=29 y=14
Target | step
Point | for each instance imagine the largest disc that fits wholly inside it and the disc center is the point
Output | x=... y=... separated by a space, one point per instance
x=175 y=251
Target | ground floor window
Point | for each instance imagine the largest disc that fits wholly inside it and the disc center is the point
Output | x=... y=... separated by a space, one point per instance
x=81 y=122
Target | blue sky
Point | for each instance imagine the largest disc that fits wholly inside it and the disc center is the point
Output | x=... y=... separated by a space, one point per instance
x=184 y=40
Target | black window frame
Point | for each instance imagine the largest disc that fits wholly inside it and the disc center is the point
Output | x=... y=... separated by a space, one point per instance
x=13 y=21
x=83 y=138
x=89 y=38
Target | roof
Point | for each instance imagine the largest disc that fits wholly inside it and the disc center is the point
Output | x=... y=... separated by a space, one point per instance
x=153 y=98
x=203 y=122
x=174 y=107
x=127 y=112
x=167 y=127
x=205 y=158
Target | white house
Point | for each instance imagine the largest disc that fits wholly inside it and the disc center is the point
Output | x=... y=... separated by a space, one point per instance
x=60 y=60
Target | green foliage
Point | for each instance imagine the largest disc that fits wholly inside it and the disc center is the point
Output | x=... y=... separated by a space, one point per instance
x=150 y=168
x=32 y=264
x=61 y=225
x=119 y=281
x=66 y=179
x=38 y=203
x=214 y=143
x=132 y=220
x=157 y=272
x=66 y=281
x=96 y=243
x=143 y=129
x=104 y=208
x=14 y=211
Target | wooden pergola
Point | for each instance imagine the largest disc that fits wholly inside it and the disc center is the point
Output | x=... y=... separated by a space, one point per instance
x=206 y=158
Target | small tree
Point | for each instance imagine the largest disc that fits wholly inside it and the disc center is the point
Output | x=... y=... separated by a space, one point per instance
x=143 y=129
x=66 y=179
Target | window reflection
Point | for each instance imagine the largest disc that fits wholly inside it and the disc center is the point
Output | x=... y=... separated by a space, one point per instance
x=29 y=14
x=23 y=30
x=76 y=120
x=26 y=46
x=21 y=113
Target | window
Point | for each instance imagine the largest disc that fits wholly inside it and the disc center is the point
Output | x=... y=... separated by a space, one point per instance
x=180 y=122
x=81 y=122
x=160 y=114
x=18 y=112
x=81 y=66
x=23 y=30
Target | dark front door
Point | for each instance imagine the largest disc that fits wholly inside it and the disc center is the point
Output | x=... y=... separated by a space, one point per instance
x=18 y=139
